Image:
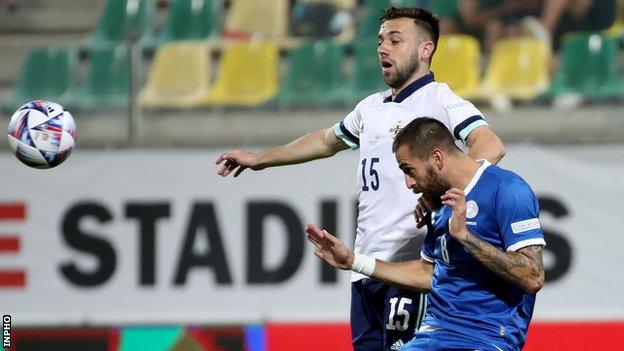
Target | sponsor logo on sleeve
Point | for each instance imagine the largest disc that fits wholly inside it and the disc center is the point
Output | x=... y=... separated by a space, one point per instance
x=526 y=225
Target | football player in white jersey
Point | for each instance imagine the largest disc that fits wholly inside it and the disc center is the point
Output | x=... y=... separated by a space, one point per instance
x=384 y=317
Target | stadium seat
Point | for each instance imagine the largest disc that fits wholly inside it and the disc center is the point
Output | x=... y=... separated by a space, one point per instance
x=456 y=62
x=247 y=75
x=518 y=69
x=179 y=76
x=313 y=75
x=191 y=19
x=106 y=82
x=341 y=4
x=258 y=19
x=589 y=66
x=47 y=73
x=366 y=76
x=119 y=18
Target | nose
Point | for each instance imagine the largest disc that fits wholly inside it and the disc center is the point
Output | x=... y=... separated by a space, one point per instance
x=410 y=182
x=382 y=49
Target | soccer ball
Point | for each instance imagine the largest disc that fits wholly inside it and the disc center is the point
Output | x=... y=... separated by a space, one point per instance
x=42 y=134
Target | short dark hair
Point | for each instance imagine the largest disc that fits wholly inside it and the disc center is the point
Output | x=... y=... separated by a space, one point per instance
x=423 y=135
x=424 y=19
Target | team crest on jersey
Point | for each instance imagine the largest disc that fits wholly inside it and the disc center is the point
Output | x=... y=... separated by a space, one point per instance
x=396 y=129
x=472 y=210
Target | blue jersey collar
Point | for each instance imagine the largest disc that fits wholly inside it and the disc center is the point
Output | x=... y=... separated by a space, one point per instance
x=411 y=88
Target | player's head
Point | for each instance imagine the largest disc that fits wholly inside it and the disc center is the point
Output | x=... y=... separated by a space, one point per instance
x=422 y=150
x=406 y=41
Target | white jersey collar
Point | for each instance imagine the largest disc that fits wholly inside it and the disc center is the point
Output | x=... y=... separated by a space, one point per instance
x=484 y=164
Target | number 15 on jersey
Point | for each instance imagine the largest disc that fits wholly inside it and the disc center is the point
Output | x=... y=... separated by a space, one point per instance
x=371 y=172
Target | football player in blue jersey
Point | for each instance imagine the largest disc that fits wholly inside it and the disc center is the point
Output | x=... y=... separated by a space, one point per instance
x=482 y=258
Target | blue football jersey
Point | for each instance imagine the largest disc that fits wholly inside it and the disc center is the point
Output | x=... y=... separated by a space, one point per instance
x=466 y=297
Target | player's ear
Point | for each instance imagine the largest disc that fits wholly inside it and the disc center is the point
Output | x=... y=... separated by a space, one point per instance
x=426 y=50
x=437 y=157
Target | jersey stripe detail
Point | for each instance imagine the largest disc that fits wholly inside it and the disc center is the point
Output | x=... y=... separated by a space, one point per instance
x=343 y=134
x=465 y=127
x=524 y=243
x=422 y=309
x=426 y=258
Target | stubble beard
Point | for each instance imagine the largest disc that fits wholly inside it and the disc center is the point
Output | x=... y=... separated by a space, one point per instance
x=436 y=187
x=399 y=79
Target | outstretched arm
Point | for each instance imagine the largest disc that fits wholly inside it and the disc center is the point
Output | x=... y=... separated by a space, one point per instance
x=523 y=267
x=414 y=275
x=314 y=145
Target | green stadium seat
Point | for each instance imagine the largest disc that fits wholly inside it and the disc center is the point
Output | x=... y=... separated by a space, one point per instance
x=106 y=83
x=589 y=66
x=366 y=77
x=119 y=18
x=191 y=19
x=314 y=74
x=47 y=73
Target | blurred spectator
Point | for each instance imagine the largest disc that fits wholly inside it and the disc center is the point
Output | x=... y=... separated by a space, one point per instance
x=491 y=20
x=9 y=5
x=562 y=16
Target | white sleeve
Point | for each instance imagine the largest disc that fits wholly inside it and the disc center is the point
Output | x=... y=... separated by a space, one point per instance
x=463 y=116
x=348 y=130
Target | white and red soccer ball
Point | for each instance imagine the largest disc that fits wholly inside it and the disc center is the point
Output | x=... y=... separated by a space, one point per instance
x=42 y=134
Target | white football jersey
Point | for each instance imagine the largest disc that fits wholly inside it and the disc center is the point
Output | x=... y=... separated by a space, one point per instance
x=386 y=228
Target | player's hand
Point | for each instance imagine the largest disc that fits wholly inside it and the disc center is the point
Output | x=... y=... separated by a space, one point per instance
x=329 y=248
x=457 y=224
x=237 y=161
x=422 y=212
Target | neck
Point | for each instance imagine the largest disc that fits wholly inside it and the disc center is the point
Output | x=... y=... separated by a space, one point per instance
x=423 y=71
x=462 y=170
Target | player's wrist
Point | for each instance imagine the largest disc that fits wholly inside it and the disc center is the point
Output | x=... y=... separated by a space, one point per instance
x=363 y=264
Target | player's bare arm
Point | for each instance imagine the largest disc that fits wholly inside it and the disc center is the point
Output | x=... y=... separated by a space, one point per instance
x=485 y=144
x=314 y=145
x=523 y=267
x=415 y=275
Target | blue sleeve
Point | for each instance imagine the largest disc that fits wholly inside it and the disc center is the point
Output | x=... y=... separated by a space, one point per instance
x=428 y=248
x=517 y=213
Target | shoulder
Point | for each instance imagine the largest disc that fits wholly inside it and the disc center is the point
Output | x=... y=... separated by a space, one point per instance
x=373 y=99
x=508 y=185
x=449 y=99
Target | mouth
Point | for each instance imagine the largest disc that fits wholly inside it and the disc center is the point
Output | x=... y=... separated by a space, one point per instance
x=385 y=65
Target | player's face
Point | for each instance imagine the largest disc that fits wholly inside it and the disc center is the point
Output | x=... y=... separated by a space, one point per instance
x=422 y=176
x=398 y=42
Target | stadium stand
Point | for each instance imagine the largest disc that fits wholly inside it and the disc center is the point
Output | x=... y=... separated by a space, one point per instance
x=457 y=62
x=179 y=76
x=106 y=82
x=518 y=69
x=190 y=20
x=251 y=18
x=121 y=17
x=248 y=75
x=47 y=72
x=314 y=74
x=589 y=66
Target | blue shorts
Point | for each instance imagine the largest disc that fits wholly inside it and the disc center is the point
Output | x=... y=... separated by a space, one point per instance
x=383 y=317
x=443 y=340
